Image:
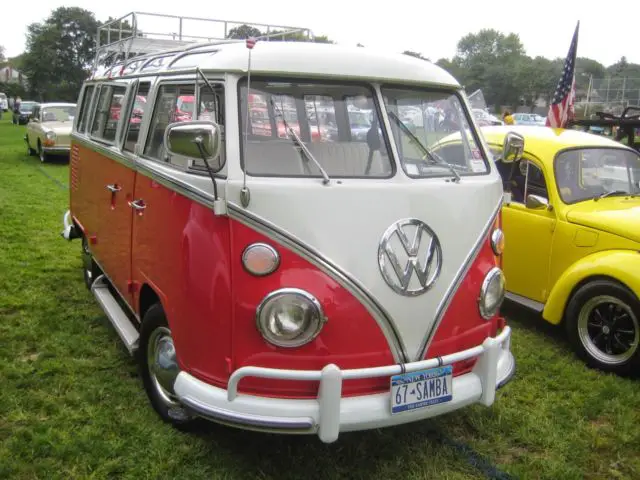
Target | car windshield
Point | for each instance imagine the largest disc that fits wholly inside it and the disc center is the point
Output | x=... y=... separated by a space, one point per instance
x=586 y=173
x=441 y=126
x=58 y=113
x=326 y=117
x=27 y=106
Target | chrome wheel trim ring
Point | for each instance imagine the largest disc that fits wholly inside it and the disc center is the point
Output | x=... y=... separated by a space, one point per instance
x=162 y=365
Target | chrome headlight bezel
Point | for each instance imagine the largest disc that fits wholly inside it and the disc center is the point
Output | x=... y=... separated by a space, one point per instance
x=497 y=241
x=302 y=297
x=494 y=275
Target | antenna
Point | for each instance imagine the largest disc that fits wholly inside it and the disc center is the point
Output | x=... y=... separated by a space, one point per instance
x=245 y=195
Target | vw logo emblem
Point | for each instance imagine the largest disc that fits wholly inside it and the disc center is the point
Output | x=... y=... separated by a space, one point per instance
x=409 y=257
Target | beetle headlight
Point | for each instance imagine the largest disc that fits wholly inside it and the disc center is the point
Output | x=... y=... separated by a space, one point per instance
x=491 y=293
x=289 y=317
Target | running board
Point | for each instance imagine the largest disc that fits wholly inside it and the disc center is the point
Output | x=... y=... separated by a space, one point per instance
x=525 y=302
x=116 y=315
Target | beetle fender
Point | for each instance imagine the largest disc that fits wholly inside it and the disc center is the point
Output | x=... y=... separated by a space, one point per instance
x=621 y=265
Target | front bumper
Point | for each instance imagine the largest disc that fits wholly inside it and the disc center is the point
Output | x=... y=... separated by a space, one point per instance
x=57 y=149
x=330 y=413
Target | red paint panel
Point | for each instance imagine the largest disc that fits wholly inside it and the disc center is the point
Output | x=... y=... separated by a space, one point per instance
x=350 y=339
x=85 y=175
x=462 y=326
x=181 y=249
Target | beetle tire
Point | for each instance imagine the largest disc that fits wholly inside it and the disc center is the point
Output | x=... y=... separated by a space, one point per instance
x=618 y=311
x=156 y=328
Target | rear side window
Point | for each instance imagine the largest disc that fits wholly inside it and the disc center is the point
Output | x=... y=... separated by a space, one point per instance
x=109 y=106
x=85 y=103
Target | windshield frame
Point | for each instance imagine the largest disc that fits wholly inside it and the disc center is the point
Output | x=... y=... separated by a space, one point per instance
x=370 y=86
x=562 y=151
x=467 y=112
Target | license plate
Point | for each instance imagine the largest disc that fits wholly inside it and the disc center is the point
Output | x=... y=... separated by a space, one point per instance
x=414 y=390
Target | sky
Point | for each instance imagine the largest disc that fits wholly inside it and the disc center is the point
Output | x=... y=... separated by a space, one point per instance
x=432 y=28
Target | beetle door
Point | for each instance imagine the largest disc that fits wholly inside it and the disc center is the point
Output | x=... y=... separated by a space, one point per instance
x=528 y=225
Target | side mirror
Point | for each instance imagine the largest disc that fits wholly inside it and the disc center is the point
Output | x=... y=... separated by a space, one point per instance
x=536 y=201
x=513 y=147
x=194 y=140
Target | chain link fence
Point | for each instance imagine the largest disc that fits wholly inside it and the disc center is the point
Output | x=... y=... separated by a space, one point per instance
x=611 y=95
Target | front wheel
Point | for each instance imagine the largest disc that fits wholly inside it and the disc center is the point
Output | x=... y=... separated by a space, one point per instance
x=159 y=368
x=603 y=327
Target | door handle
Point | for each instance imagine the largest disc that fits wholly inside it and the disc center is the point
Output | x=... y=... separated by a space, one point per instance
x=113 y=188
x=137 y=204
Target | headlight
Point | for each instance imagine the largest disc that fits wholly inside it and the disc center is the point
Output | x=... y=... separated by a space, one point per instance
x=491 y=293
x=50 y=135
x=289 y=317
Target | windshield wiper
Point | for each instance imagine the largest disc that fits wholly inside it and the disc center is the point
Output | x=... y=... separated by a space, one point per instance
x=611 y=193
x=299 y=143
x=435 y=158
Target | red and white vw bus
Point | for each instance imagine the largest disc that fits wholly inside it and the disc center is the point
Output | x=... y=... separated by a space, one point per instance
x=293 y=283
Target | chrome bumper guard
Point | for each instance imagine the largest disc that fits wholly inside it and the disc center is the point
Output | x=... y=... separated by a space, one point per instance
x=210 y=402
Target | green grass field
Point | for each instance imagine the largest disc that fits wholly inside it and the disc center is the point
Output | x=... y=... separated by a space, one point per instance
x=72 y=405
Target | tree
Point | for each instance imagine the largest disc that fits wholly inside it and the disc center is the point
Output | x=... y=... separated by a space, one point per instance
x=59 y=53
x=2 y=57
x=244 y=31
x=247 y=31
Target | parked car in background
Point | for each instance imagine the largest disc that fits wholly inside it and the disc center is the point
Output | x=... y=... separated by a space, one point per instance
x=529 y=119
x=484 y=118
x=4 y=102
x=570 y=220
x=49 y=129
x=26 y=110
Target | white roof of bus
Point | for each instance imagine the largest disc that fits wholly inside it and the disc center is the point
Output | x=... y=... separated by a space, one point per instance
x=315 y=59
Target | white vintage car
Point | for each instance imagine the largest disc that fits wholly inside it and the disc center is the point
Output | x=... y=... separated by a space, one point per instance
x=49 y=129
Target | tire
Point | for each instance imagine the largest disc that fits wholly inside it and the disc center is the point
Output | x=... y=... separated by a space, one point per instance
x=43 y=156
x=603 y=326
x=30 y=151
x=156 y=344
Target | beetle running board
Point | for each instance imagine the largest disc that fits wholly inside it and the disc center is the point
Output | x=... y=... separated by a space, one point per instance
x=116 y=315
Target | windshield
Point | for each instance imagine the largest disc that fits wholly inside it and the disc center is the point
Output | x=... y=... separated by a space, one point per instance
x=328 y=119
x=438 y=121
x=587 y=173
x=58 y=114
x=27 y=106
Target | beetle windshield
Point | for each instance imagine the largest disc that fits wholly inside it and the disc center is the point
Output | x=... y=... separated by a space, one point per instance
x=586 y=173
x=337 y=123
x=438 y=121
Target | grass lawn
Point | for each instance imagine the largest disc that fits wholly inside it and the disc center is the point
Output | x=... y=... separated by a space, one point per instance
x=72 y=404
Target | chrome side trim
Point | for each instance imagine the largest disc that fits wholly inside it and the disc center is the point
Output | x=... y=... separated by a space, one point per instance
x=459 y=277
x=524 y=301
x=383 y=319
x=302 y=424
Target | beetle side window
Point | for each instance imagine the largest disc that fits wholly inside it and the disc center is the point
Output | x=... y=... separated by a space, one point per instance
x=528 y=179
x=105 y=120
x=85 y=103
x=174 y=103
x=135 y=117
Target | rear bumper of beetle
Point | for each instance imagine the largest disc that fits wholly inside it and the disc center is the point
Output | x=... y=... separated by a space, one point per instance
x=330 y=413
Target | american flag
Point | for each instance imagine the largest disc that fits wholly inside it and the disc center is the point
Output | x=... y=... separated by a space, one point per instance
x=561 y=108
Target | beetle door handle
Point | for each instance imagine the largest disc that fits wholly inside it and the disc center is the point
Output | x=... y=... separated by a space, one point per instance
x=137 y=204
x=113 y=188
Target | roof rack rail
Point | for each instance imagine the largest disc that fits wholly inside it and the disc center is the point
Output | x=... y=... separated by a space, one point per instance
x=122 y=38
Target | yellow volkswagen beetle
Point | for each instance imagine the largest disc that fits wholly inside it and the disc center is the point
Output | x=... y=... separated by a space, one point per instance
x=571 y=220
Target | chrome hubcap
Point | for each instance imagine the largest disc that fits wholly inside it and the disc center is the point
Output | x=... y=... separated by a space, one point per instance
x=163 y=367
x=608 y=329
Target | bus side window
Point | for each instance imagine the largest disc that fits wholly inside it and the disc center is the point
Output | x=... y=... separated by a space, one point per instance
x=135 y=117
x=85 y=108
x=105 y=121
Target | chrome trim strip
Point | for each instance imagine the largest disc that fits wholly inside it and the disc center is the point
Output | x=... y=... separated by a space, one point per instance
x=459 y=277
x=524 y=301
x=382 y=317
x=260 y=421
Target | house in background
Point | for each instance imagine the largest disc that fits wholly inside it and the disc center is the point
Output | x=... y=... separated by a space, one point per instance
x=9 y=74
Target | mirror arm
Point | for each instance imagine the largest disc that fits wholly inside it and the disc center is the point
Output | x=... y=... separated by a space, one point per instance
x=198 y=142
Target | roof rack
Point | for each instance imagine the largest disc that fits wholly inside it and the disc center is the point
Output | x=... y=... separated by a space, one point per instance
x=120 y=39
x=627 y=123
